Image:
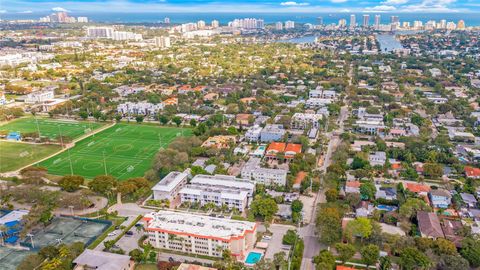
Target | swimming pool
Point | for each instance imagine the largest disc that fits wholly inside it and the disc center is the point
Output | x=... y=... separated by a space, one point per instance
x=387 y=208
x=253 y=257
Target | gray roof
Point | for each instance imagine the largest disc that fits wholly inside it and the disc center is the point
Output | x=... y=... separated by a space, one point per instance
x=468 y=198
x=102 y=260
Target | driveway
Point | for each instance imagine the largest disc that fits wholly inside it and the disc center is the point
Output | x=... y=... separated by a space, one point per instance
x=126 y=223
x=129 y=209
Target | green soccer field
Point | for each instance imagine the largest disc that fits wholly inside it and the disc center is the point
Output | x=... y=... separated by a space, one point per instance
x=51 y=128
x=123 y=151
x=14 y=156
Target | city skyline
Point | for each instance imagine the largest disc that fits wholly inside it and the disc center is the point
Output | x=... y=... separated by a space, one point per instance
x=148 y=6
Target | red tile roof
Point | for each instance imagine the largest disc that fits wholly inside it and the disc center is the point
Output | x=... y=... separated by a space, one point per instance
x=417 y=188
x=293 y=147
x=354 y=184
x=472 y=172
x=276 y=146
x=341 y=267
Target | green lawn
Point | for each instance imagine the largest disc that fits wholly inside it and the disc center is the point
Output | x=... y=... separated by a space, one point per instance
x=124 y=151
x=50 y=127
x=15 y=155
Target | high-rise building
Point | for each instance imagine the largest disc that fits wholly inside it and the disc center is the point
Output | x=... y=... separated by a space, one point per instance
x=394 y=20
x=451 y=26
x=461 y=25
x=417 y=24
x=82 y=19
x=126 y=35
x=100 y=32
x=289 y=24
x=406 y=25
x=353 y=22
x=215 y=24
x=62 y=16
x=366 y=20
x=247 y=23
x=443 y=24
x=342 y=23
x=162 y=42
x=377 y=21
x=201 y=24
x=320 y=20
x=166 y=20
x=279 y=26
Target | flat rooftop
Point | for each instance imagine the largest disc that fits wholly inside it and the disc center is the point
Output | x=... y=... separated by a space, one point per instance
x=198 y=225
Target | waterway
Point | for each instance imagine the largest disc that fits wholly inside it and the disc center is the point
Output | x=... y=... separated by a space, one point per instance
x=388 y=42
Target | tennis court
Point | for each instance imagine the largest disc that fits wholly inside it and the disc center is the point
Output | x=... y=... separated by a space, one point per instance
x=66 y=230
x=123 y=151
x=51 y=128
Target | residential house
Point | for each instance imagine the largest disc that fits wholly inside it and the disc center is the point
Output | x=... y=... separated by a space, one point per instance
x=305 y=120
x=429 y=225
x=100 y=260
x=472 y=172
x=289 y=150
x=440 y=198
x=271 y=133
x=469 y=200
x=377 y=158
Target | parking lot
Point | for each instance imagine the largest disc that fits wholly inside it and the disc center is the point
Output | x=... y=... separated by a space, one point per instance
x=275 y=243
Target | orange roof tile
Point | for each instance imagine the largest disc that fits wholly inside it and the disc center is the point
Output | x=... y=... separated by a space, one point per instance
x=341 y=267
x=354 y=184
x=417 y=188
x=294 y=147
x=300 y=176
x=276 y=146
x=472 y=172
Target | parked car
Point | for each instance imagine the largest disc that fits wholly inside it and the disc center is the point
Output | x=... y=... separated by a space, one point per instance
x=129 y=233
x=112 y=234
x=266 y=237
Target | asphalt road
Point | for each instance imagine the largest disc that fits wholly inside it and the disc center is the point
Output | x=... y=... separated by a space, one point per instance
x=308 y=233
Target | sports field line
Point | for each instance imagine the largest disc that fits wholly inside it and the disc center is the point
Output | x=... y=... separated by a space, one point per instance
x=71 y=145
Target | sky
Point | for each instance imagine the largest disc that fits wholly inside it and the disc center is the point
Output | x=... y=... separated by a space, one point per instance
x=138 y=6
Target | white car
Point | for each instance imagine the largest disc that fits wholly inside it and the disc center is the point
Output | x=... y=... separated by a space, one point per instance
x=266 y=237
x=112 y=234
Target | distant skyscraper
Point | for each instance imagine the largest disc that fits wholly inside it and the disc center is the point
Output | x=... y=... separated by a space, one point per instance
x=461 y=25
x=320 y=20
x=166 y=20
x=353 y=22
x=394 y=20
x=247 y=23
x=289 y=24
x=417 y=24
x=82 y=19
x=201 y=24
x=342 y=23
x=215 y=24
x=279 y=26
x=366 y=20
x=377 y=21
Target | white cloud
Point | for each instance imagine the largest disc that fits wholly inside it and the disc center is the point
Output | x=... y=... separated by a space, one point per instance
x=338 y=1
x=431 y=6
x=381 y=8
x=292 y=3
x=25 y=12
x=59 y=9
x=395 y=2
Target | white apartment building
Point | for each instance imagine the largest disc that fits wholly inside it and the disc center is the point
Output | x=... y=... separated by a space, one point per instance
x=304 y=120
x=170 y=185
x=125 y=35
x=100 y=32
x=82 y=19
x=162 y=42
x=142 y=108
x=39 y=96
x=289 y=24
x=267 y=176
x=198 y=234
x=317 y=102
x=253 y=134
x=220 y=190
